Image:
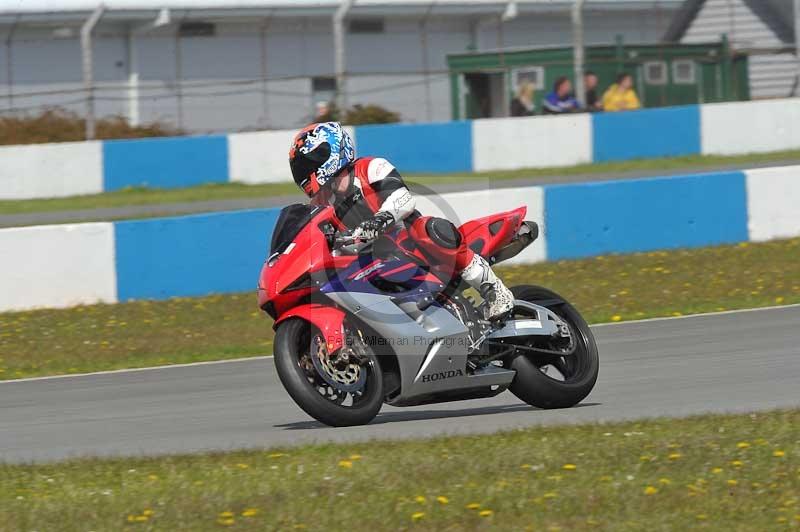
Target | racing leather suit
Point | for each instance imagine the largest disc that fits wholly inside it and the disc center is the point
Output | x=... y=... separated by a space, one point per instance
x=377 y=199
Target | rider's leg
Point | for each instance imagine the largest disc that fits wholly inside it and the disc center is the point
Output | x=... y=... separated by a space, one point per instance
x=442 y=242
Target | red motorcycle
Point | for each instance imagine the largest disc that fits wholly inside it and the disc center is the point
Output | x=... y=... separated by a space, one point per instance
x=360 y=324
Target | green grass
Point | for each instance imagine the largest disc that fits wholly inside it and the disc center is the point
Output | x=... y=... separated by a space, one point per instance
x=612 y=288
x=145 y=196
x=731 y=473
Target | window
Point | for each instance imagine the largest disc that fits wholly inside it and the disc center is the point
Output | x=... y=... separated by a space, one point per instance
x=323 y=84
x=533 y=74
x=196 y=29
x=655 y=73
x=367 y=25
x=683 y=72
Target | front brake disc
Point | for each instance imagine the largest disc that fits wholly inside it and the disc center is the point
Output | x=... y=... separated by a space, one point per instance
x=350 y=377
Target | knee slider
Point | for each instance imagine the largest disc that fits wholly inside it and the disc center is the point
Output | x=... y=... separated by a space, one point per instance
x=443 y=233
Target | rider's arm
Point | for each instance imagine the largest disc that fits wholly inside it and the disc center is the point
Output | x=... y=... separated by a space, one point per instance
x=386 y=181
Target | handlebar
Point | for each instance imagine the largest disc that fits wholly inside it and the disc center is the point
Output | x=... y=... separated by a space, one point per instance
x=347 y=244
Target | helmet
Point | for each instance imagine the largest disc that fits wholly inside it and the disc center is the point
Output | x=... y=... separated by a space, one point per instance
x=318 y=153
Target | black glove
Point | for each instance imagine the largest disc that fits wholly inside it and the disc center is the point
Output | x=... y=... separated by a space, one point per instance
x=374 y=227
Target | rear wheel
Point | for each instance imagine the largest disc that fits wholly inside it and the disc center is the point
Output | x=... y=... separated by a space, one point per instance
x=549 y=381
x=340 y=390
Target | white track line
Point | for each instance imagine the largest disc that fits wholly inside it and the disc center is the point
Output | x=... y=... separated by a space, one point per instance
x=263 y=357
x=700 y=315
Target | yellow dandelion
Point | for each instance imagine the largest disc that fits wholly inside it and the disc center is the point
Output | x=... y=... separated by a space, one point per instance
x=550 y=495
x=152 y=477
x=148 y=512
x=779 y=300
x=732 y=482
x=441 y=499
x=743 y=445
x=250 y=512
x=416 y=516
x=486 y=513
x=701 y=517
x=606 y=478
x=355 y=457
x=778 y=454
x=346 y=464
x=569 y=467
x=525 y=466
x=717 y=470
x=131 y=518
x=242 y=466
x=781 y=519
x=664 y=481
x=737 y=463
x=276 y=455
x=225 y=515
x=472 y=506
x=226 y=522
x=616 y=317
x=650 y=490
x=420 y=499
x=675 y=456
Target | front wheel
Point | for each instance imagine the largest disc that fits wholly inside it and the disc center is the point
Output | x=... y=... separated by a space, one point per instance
x=342 y=389
x=547 y=381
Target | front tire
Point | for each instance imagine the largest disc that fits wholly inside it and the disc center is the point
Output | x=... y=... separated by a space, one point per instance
x=294 y=345
x=532 y=383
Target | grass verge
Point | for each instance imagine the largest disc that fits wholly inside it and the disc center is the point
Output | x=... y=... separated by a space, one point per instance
x=738 y=472
x=227 y=191
x=611 y=288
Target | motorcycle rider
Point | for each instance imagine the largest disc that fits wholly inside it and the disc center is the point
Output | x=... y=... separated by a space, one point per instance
x=370 y=197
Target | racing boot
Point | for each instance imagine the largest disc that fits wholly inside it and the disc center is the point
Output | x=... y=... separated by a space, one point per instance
x=479 y=275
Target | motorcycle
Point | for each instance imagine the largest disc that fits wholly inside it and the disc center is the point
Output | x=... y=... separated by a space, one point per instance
x=362 y=324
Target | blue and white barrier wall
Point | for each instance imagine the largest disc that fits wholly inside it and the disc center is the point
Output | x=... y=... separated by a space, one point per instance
x=481 y=145
x=64 y=265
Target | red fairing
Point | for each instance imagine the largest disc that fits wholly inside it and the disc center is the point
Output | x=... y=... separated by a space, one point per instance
x=449 y=260
x=329 y=320
x=308 y=254
x=494 y=231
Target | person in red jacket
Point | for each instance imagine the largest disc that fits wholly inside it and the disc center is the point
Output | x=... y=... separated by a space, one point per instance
x=370 y=197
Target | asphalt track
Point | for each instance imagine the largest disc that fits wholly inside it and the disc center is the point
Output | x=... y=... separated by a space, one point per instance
x=729 y=362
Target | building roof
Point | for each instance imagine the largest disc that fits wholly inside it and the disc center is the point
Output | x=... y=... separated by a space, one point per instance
x=58 y=10
x=777 y=14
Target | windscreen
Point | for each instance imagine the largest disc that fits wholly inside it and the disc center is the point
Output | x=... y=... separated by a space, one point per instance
x=291 y=220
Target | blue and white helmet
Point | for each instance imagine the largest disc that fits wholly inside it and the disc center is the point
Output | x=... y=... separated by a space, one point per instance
x=318 y=153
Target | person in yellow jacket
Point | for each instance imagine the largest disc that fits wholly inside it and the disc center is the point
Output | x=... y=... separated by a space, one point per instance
x=620 y=96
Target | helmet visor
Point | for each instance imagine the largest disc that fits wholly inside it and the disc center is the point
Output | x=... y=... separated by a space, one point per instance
x=305 y=166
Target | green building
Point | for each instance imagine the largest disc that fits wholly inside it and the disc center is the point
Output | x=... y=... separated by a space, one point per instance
x=483 y=83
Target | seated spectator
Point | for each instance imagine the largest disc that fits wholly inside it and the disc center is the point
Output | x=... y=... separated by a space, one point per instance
x=593 y=103
x=620 y=96
x=561 y=100
x=523 y=105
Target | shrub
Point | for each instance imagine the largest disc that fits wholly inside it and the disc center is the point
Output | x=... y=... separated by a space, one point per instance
x=61 y=125
x=360 y=115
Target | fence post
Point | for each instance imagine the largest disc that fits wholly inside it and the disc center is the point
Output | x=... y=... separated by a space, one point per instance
x=88 y=67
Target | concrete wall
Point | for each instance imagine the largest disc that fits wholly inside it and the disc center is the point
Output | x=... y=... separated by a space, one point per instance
x=753 y=127
x=773 y=203
x=51 y=170
x=57 y=266
x=480 y=145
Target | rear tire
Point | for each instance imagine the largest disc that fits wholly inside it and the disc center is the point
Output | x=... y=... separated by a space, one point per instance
x=535 y=387
x=292 y=343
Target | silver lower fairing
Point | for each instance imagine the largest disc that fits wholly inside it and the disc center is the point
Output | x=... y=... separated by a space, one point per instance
x=431 y=346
